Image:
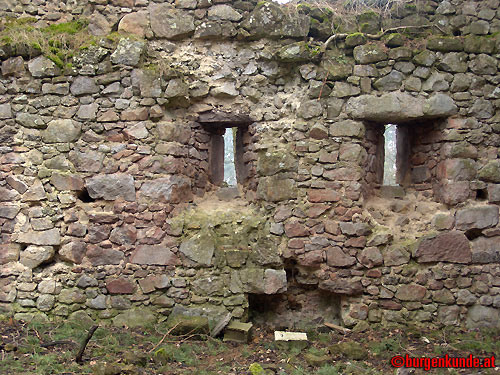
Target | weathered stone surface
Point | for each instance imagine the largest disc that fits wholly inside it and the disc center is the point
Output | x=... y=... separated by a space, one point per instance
x=269 y=20
x=370 y=257
x=490 y=172
x=41 y=238
x=33 y=256
x=13 y=66
x=477 y=217
x=199 y=248
x=439 y=105
x=337 y=258
x=223 y=12
x=396 y=255
x=63 y=130
x=111 y=187
x=128 y=52
x=448 y=315
x=347 y=128
x=272 y=162
x=123 y=235
x=169 y=22
x=310 y=109
x=154 y=255
x=390 y=82
x=411 y=292
x=9 y=253
x=41 y=67
x=67 y=182
x=5 y=111
x=445 y=44
x=83 y=86
x=486 y=250
x=135 y=23
x=70 y=296
x=99 y=256
x=483 y=317
x=73 y=251
x=276 y=189
x=134 y=318
x=173 y=189
x=450 y=246
x=342 y=286
x=9 y=210
x=369 y=53
x=120 y=286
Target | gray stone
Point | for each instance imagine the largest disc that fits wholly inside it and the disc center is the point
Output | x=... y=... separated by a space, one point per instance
x=484 y=64
x=390 y=82
x=177 y=88
x=482 y=109
x=454 y=62
x=199 y=248
x=483 y=317
x=369 y=53
x=9 y=210
x=41 y=67
x=45 y=302
x=29 y=120
x=448 y=315
x=347 y=128
x=396 y=255
x=62 y=130
x=310 y=109
x=337 y=258
x=97 y=303
x=13 y=66
x=276 y=188
x=445 y=44
x=490 y=172
x=5 y=111
x=439 y=105
x=154 y=255
x=370 y=257
x=464 y=297
x=436 y=82
x=41 y=238
x=33 y=256
x=477 y=217
x=83 y=86
x=73 y=252
x=425 y=58
x=270 y=20
x=135 y=23
x=128 y=52
x=486 y=250
x=169 y=22
x=223 y=12
x=172 y=189
x=493 y=194
x=85 y=281
x=479 y=27
x=111 y=186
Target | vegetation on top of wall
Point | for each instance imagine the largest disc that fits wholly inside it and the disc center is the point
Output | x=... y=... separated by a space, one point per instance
x=58 y=42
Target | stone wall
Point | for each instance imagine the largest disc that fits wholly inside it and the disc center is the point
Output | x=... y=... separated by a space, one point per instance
x=107 y=206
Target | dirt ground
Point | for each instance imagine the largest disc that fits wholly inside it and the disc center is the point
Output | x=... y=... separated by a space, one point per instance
x=51 y=348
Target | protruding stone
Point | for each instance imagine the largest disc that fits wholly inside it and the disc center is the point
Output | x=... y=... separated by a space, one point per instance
x=169 y=22
x=411 y=292
x=33 y=256
x=477 y=217
x=61 y=130
x=450 y=246
x=128 y=52
x=111 y=187
x=41 y=67
x=73 y=251
x=199 y=248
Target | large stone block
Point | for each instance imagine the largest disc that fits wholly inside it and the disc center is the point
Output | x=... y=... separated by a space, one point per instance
x=154 y=255
x=477 y=217
x=33 y=256
x=450 y=246
x=99 y=256
x=111 y=186
x=128 y=52
x=42 y=238
x=135 y=23
x=369 y=53
x=41 y=67
x=171 y=189
x=411 y=292
x=483 y=317
x=275 y=281
x=169 y=22
x=335 y=257
x=199 y=248
x=486 y=250
x=276 y=188
x=120 y=285
x=490 y=172
x=343 y=286
x=62 y=130
x=9 y=210
x=9 y=253
x=73 y=251
x=67 y=182
x=347 y=128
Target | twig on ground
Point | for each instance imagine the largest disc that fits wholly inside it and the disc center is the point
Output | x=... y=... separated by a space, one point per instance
x=163 y=338
x=79 y=356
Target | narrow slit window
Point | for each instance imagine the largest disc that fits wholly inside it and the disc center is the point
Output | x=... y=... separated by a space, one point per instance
x=229 y=157
x=390 y=152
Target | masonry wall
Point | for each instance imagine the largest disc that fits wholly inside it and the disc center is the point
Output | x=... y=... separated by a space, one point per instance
x=107 y=209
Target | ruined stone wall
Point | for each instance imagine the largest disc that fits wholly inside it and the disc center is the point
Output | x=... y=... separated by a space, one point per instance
x=106 y=203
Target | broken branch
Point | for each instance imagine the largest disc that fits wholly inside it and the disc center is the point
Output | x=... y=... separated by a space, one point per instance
x=78 y=358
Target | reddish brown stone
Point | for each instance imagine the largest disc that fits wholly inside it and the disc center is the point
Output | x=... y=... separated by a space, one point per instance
x=99 y=256
x=390 y=305
x=137 y=114
x=335 y=257
x=296 y=243
x=317 y=210
x=311 y=258
x=66 y=182
x=359 y=242
x=411 y=292
x=120 y=286
x=342 y=286
x=323 y=195
x=445 y=247
x=296 y=229
x=332 y=227
x=374 y=273
x=159 y=255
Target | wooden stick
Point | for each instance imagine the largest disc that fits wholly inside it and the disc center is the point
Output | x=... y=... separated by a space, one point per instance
x=78 y=358
x=337 y=328
x=57 y=342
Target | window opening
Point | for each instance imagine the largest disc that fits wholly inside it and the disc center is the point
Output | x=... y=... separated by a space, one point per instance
x=229 y=156
x=390 y=151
